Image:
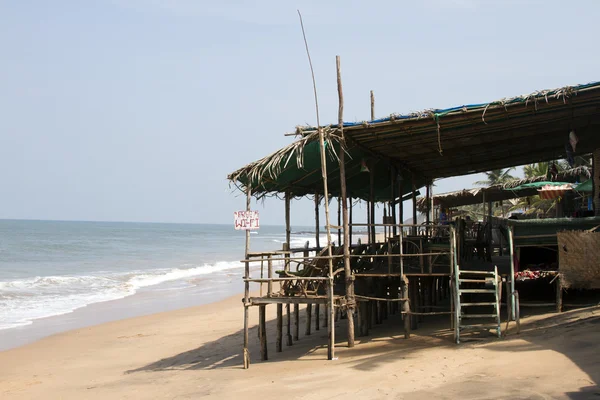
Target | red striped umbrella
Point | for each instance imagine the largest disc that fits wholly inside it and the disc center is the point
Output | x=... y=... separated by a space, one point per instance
x=550 y=192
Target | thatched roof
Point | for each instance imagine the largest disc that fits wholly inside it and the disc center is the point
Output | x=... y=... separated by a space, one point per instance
x=500 y=192
x=297 y=168
x=481 y=137
x=434 y=144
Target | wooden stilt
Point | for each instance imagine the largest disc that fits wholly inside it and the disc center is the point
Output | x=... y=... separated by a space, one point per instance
x=350 y=220
x=279 y=343
x=339 y=220
x=559 y=295
x=247 y=285
x=317 y=241
x=349 y=278
x=296 y=322
x=325 y=318
x=405 y=306
x=414 y=207
x=308 y=318
x=317 y=317
x=288 y=321
x=263 y=332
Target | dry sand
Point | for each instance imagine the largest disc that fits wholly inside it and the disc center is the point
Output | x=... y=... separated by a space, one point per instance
x=196 y=352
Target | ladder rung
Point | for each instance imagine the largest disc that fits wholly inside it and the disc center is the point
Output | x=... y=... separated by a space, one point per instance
x=477 y=304
x=477 y=281
x=461 y=291
x=476 y=272
x=478 y=316
x=482 y=326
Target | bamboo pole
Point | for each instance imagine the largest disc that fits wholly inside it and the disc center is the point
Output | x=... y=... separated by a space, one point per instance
x=288 y=228
x=296 y=321
x=288 y=320
x=331 y=344
x=308 y=319
x=350 y=301
x=247 y=285
x=372 y=202
x=511 y=253
x=414 y=206
x=428 y=203
x=279 y=343
x=339 y=213
x=392 y=203
x=350 y=220
x=596 y=181
x=317 y=238
x=262 y=323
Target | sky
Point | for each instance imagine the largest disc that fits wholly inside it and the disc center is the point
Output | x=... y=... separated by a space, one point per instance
x=136 y=110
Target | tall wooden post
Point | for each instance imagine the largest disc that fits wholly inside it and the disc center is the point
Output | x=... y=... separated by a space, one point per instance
x=371 y=204
x=393 y=202
x=279 y=341
x=372 y=201
x=596 y=181
x=262 y=324
x=288 y=234
x=350 y=300
x=247 y=284
x=317 y=233
x=339 y=220
x=428 y=203
x=414 y=205
x=401 y=204
x=350 y=218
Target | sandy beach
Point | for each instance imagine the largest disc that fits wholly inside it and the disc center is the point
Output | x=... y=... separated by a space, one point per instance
x=196 y=352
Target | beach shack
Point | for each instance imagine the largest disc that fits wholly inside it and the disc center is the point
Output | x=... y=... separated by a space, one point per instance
x=412 y=269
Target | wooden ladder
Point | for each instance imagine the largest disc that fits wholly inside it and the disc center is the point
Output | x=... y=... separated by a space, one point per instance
x=485 y=284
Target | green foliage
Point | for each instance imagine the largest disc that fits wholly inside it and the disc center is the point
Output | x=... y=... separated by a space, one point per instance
x=496 y=177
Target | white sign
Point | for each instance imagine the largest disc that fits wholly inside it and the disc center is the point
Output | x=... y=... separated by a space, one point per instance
x=246 y=220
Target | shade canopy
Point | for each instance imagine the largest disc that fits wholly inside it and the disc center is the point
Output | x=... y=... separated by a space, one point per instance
x=435 y=143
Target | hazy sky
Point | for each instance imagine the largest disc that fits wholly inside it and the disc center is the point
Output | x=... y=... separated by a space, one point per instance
x=137 y=110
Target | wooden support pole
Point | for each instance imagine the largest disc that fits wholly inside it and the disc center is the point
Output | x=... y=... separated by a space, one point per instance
x=317 y=317
x=288 y=320
x=262 y=322
x=296 y=321
x=270 y=275
x=427 y=215
x=596 y=181
x=372 y=202
x=308 y=319
x=350 y=220
x=405 y=306
x=559 y=294
x=317 y=238
x=279 y=343
x=393 y=202
x=339 y=219
x=511 y=254
x=414 y=206
x=288 y=228
x=350 y=300
x=247 y=285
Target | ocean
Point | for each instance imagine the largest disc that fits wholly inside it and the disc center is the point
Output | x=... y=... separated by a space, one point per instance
x=52 y=268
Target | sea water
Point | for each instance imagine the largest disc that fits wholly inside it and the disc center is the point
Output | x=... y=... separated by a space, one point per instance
x=50 y=268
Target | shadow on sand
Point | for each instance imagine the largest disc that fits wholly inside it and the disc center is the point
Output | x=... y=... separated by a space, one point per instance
x=555 y=332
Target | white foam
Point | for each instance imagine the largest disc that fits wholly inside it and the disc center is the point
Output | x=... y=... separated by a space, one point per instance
x=24 y=300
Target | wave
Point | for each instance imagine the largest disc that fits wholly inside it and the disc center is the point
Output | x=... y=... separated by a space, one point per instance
x=24 y=300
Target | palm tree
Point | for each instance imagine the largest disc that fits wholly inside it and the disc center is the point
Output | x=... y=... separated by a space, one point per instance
x=496 y=177
x=535 y=170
